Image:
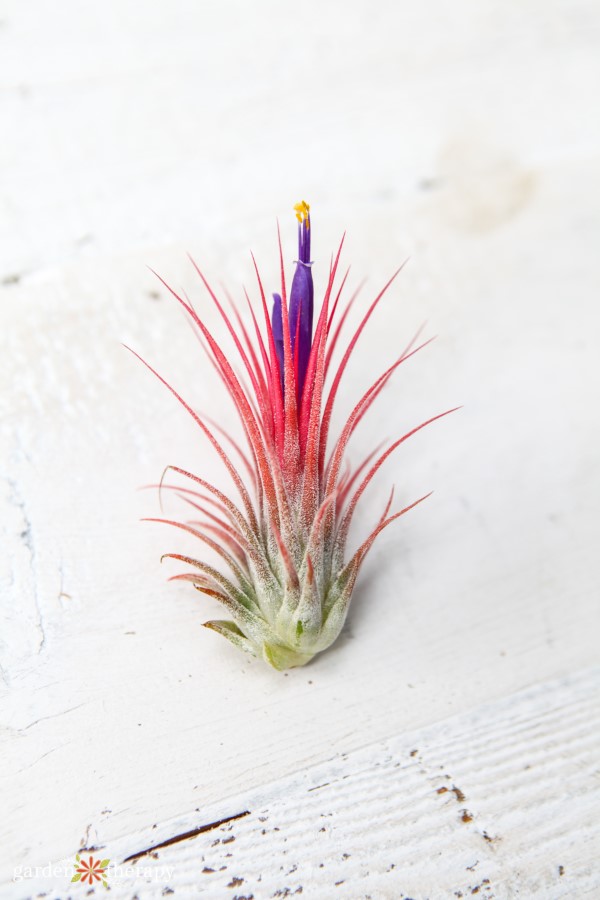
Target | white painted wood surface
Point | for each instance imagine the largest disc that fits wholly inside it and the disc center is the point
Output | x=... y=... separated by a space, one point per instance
x=502 y=802
x=463 y=136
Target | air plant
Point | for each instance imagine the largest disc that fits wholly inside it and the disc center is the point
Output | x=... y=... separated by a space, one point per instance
x=284 y=540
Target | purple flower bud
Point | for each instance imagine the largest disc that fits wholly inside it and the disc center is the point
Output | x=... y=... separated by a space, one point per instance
x=277 y=326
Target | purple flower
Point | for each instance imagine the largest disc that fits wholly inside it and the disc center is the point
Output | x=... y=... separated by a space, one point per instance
x=277 y=326
x=300 y=314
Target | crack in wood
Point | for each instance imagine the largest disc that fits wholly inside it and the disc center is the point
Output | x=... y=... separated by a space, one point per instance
x=319 y=786
x=17 y=500
x=186 y=836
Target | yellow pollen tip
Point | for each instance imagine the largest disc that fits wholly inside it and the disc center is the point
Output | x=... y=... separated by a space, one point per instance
x=302 y=212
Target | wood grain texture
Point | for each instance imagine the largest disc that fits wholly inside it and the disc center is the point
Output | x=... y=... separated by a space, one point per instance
x=463 y=136
x=501 y=802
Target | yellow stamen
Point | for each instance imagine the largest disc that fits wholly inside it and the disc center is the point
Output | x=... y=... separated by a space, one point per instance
x=302 y=210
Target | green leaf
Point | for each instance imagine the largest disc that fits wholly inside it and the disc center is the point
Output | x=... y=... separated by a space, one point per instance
x=231 y=631
x=104 y=863
x=224 y=625
x=76 y=877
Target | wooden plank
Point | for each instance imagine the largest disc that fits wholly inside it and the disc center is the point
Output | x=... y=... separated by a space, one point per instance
x=503 y=801
x=458 y=136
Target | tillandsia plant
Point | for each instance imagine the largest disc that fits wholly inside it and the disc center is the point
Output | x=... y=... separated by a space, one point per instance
x=289 y=581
